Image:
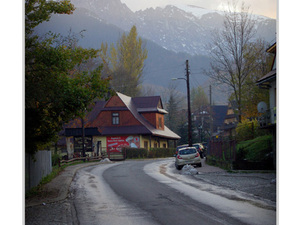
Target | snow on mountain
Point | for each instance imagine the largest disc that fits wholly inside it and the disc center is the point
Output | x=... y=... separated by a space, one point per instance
x=196 y=10
x=178 y=27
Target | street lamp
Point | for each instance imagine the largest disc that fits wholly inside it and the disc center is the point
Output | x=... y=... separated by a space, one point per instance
x=187 y=79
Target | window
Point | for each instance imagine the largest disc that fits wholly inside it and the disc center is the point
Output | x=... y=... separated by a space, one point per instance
x=160 y=123
x=115 y=118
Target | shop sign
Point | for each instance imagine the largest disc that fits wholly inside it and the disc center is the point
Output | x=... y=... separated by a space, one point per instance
x=116 y=143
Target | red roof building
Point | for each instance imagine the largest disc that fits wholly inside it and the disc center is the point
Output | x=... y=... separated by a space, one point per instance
x=121 y=121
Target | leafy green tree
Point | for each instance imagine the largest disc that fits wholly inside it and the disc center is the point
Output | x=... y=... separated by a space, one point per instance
x=58 y=87
x=247 y=130
x=125 y=63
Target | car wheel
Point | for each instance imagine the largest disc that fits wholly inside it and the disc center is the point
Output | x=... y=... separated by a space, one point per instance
x=199 y=164
x=178 y=167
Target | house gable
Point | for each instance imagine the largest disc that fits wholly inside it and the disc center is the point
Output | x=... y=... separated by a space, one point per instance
x=115 y=107
x=114 y=101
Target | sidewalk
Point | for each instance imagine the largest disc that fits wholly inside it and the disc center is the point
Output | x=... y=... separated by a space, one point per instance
x=53 y=207
x=260 y=185
x=58 y=188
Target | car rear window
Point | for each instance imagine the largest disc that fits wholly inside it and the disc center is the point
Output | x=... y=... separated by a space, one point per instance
x=187 y=151
x=196 y=146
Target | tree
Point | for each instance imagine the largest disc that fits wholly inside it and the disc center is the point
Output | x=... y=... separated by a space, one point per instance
x=200 y=109
x=199 y=99
x=58 y=87
x=228 y=50
x=251 y=93
x=173 y=113
x=126 y=63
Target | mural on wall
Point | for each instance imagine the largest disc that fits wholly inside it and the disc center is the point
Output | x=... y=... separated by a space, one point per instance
x=115 y=144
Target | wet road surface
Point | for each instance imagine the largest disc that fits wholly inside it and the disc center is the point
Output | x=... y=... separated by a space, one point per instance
x=137 y=192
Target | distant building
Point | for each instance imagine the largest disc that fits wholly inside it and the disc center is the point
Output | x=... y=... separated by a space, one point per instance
x=219 y=114
x=231 y=120
x=121 y=121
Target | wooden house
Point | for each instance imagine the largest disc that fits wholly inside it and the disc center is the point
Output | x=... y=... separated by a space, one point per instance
x=121 y=121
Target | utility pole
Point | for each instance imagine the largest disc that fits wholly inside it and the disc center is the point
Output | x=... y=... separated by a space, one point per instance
x=211 y=112
x=83 y=135
x=187 y=79
x=211 y=121
x=189 y=104
x=210 y=95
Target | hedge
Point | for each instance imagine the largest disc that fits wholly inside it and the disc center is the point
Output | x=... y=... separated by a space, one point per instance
x=258 y=149
x=136 y=153
x=161 y=152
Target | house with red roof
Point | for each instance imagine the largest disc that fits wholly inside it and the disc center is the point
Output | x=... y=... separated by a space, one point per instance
x=121 y=121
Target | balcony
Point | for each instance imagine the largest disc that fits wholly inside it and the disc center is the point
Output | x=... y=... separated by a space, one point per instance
x=268 y=118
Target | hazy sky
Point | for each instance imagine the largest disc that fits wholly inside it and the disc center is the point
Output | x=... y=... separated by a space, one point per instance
x=261 y=7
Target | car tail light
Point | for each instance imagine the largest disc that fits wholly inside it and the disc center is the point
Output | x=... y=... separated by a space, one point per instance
x=179 y=157
x=197 y=155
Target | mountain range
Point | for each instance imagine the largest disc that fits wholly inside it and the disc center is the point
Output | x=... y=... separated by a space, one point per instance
x=172 y=34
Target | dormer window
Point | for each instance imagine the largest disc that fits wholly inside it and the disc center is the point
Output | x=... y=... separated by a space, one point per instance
x=160 y=123
x=115 y=119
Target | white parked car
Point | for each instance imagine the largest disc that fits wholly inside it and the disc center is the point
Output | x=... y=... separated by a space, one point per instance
x=187 y=155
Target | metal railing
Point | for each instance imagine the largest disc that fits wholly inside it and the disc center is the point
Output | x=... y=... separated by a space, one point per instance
x=268 y=118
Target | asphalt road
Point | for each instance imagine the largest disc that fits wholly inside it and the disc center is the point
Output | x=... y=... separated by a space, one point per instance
x=138 y=192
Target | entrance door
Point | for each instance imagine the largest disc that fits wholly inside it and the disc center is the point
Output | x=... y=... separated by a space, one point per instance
x=99 y=148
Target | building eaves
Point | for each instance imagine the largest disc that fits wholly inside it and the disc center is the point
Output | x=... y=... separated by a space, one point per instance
x=267 y=78
x=272 y=48
x=154 y=109
x=124 y=130
x=167 y=133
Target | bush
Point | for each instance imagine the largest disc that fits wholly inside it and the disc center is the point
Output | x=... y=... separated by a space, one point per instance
x=256 y=150
x=135 y=153
x=55 y=159
x=247 y=130
x=161 y=152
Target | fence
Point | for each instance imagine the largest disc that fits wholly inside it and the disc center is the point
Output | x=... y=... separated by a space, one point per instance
x=79 y=159
x=122 y=154
x=223 y=149
x=36 y=168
